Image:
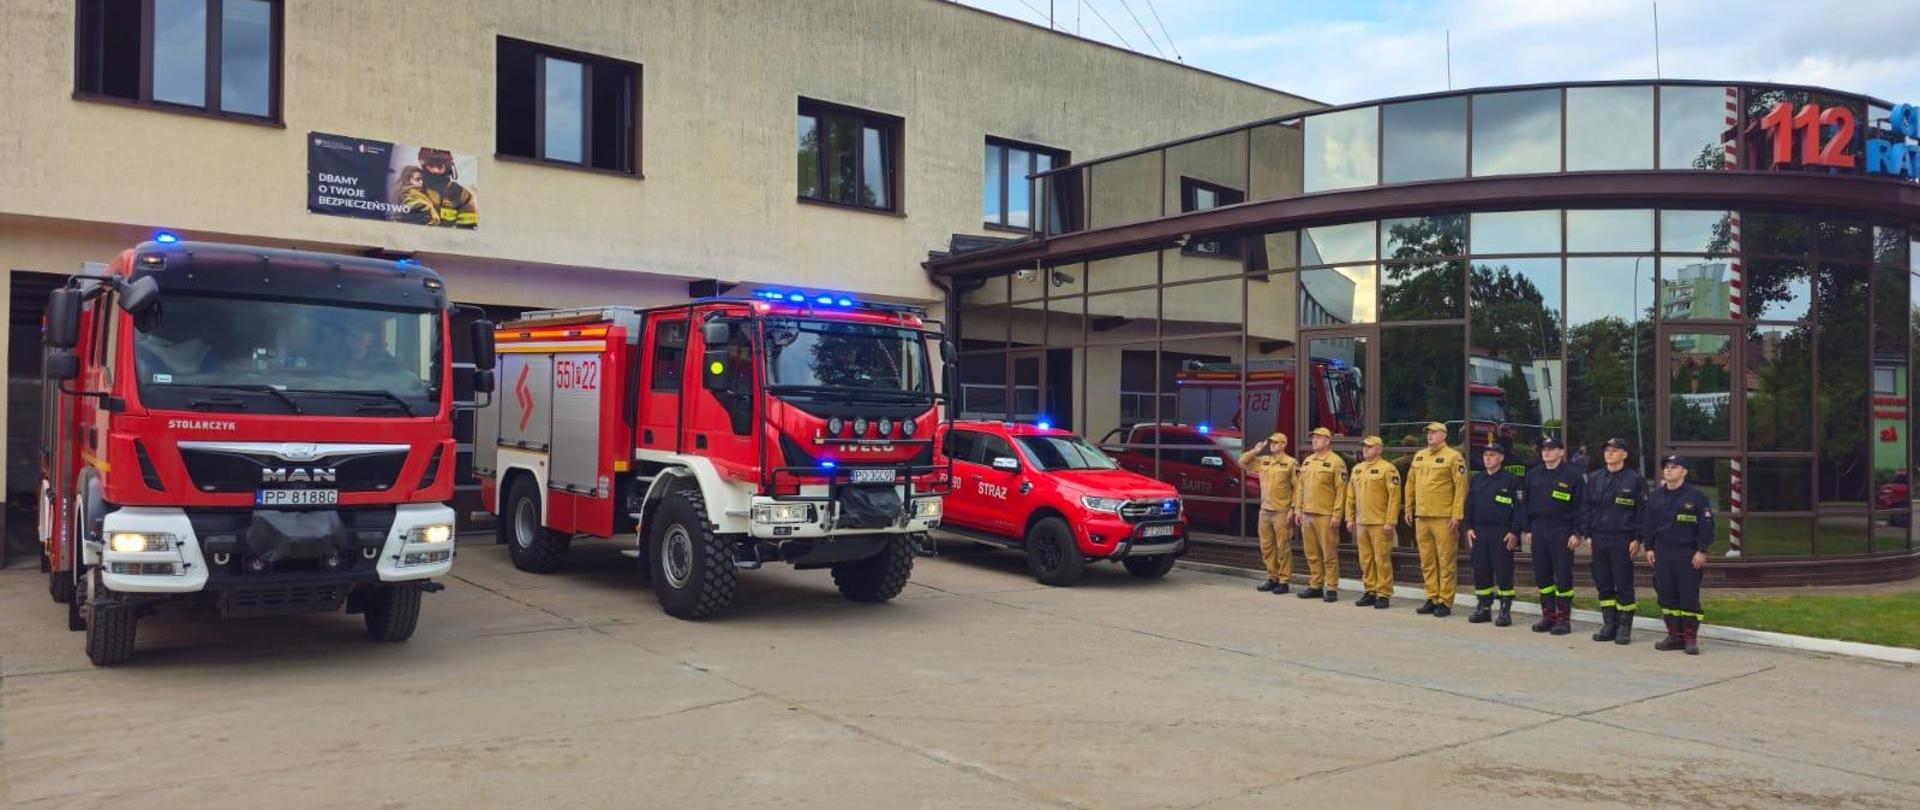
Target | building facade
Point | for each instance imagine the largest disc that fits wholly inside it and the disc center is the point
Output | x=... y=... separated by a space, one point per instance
x=629 y=152
x=1722 y=270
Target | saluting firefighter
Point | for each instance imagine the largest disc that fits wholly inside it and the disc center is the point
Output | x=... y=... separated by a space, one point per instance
x=1554 y=490
x=1611 y=510
x=1323 y=495
x=1679 y=529
x=1373 y=497
x=1436 y=501
x=1276 y=470
x=1495 y=517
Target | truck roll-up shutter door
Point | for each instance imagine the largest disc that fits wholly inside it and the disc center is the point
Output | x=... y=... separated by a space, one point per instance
x=574 y=462
x=526 y=401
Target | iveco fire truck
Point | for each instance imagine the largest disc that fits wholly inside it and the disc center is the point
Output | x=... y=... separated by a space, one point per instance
x=723 y=434
x=269 y=431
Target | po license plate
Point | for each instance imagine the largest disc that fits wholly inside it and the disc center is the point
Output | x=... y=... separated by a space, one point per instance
x=1164 y=530
x=873 y=476
x=296 y=497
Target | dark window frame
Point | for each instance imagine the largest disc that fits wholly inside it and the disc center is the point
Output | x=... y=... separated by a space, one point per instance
x=1060 y=157
x=1227 y=247
x=591 y=63
x=667 y=375
x=893 y=131
x=84 y=54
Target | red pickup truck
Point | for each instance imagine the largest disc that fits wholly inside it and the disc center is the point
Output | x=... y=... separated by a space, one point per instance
x=1059 y=499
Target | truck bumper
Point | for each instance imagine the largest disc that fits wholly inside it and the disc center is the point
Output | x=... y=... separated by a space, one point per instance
x=1138 y=539
x=187 y=562
x=917 y=514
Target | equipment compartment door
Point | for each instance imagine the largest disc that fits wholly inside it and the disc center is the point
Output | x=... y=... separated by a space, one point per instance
x=575 y=460
x=526 y=407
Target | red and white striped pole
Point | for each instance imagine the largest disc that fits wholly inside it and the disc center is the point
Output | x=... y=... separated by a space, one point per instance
x=1736 y=497
x=1736 y=281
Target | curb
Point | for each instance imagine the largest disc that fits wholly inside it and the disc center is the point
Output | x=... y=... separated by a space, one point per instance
x=1763 y=638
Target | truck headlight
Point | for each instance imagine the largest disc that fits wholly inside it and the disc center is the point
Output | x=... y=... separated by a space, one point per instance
x=1102 y=504
x=926 y=509
x=783 y=513
x=433 y=534
x=131 y=542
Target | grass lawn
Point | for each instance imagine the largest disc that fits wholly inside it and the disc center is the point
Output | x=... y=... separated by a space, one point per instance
x=1889 y=619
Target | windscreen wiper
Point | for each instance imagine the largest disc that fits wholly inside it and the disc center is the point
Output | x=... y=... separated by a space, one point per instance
x=382 y=393
x=276 y=393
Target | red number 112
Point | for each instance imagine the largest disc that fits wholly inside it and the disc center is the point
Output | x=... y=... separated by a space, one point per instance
x=1782 y=121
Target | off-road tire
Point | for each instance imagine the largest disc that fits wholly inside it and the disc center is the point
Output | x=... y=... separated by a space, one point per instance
x=691 y=567
x=59 y=584
x=533 y=547
x=878 y=578
x=392 y=612
x=110 y=632
x=1153 y=567
x=1053 y=555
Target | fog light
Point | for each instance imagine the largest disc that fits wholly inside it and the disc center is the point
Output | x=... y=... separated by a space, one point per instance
x=926 y=509
x=783 y=513
x=130 y=542
x=152 y=569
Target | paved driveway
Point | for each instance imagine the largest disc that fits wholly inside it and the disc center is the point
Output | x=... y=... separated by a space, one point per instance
x=978 y=688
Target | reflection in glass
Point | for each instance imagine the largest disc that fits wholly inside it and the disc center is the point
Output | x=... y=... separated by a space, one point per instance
x=807 y=132
x=1338 y=244
x=990 y=198
x=1029 y=324
x=1516 y=133
x=1624 y=231
x=1514 y=368
x=1337 y=394
x=1699 y=387
x=1841 y=534
x=1018 y=190
x=1890 y=246
x=1126 y=316
x=1425 y=140
x=843 y=133
x=983 y=386
x=180 y=51
x=1515 y=232
x=1696 y=232
x=1338 y=295
x=1776 y=234
x=1420 y=237
x=1025 y=392
x=876 y=192
x=1270 y=405
x=564 y=115
x=1890 y=394
x=1840 y=293
x=1693 y=288
x=1202 y=381
x=1779 y=388
x=1421 y=381
x=1134 y=270
x=1776 y=536
x=1125 y=190
x=1693 y=124
x=246 y=51
x=1343 y=149
x=1422 y=291
x=1066 y=279
x=1610 y=353
x=1779 y=485
x=1609 y=128
x=1275 y=167
x=1844 y=239
x=1776 y=290
x=1273 y=251
x=1208 y=307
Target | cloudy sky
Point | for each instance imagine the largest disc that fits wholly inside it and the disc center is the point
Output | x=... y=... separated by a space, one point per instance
x=1341 y=51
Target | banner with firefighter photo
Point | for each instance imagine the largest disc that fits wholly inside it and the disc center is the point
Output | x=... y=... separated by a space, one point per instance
x=401 y=182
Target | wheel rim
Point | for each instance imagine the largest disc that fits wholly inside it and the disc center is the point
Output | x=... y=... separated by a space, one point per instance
x=525 y=523
x=1047 y=551
x=676 y=557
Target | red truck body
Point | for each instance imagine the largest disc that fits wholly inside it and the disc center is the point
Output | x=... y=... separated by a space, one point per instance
x=209 y=433
x=722 y=434
x=1060 y=500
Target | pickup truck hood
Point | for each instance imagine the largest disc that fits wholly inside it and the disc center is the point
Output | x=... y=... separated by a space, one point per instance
x=1115 y=484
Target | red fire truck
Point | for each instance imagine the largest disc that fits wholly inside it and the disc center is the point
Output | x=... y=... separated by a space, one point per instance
x=722 y=434
x=267 y=430
x=1209 y=394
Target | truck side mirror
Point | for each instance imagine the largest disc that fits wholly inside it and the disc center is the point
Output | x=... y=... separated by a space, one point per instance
x=947 y=353
x=483 y=381
x=1006 y=464
x=716 y=332
x=483 y=354
x=1212 y=460
x=63 y=318
x=62 y=365
x=139 y=296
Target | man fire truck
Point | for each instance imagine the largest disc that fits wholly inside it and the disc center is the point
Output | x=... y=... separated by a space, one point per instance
x=268 y=430
x=722 y=434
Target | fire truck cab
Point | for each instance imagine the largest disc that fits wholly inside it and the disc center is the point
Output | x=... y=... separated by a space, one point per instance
x=722 y=434
x=267 y=430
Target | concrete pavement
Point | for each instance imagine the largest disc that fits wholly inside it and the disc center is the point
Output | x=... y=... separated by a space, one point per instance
x=977 y=688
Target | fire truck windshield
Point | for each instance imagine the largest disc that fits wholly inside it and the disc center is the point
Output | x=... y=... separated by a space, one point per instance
x=1487 y=407
x=1065 y=453
x=213 y=353
x=853 y=358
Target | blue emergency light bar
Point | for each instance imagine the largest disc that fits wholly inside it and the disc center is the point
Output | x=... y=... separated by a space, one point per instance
x=165 y=237
x=835 y=300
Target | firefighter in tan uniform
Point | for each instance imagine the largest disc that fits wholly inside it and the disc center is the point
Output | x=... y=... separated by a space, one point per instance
x=1323 y=496
x=1269 y=462
x=1373 y=498
x=1436 y=500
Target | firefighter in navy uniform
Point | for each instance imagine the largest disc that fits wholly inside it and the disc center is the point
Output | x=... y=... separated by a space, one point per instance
x=1496 y=515
x=1554 y=490
x=1611 y=525
x=1679 y=529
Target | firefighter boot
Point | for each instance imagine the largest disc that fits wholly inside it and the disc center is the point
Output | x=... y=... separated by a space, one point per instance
x=1331 y=596
x=1690 y=633
x=1482 y=611
x=1625 y=636
x=1271 y=586
x=1426 y=608
x=1609 y=624
x=1382 y=603
x=1313 y=593
x=1676 y=636
x=1366 y=599
x=1549 y=608
x=1563 y=616
x=1506 y=612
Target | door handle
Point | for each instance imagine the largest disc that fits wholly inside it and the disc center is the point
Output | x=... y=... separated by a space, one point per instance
x=699 y=441
x=647 y=435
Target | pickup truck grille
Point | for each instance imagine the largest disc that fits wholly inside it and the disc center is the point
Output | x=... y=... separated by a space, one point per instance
x=1139 y=511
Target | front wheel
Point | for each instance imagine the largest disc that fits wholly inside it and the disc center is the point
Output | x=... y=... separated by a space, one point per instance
x=691 y=567
x=878 y=578
x=393 y=611
x=110 y=627
x=1153 y=567
x=533 y=547
x=59 y=583
x=1053 y=555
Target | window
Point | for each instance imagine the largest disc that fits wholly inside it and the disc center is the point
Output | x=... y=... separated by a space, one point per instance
x=567 y=108
x=1200 y=195
x=961 y=445
x=669 y=352
x=848 y=157
x=1006 y=199
x=219 y=56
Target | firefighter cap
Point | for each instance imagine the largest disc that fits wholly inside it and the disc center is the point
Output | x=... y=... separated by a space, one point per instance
x=1616 y=443
x=1372 y=441
x=1433 y=426
x=1494 y=447
x=1673 y=461
x=1551 y=443
x=1277 y=438
x=1320 y=431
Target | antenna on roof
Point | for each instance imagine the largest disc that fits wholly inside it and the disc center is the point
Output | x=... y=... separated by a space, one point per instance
x=1449 y=59
x=1656 y=39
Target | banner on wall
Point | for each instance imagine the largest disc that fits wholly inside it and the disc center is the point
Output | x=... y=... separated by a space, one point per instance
x=398 y=182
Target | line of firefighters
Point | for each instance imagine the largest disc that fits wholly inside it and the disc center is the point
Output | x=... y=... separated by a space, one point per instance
x=1555 y=507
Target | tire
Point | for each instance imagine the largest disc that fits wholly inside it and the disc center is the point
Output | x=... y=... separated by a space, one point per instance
x=878 y=578
x=1153 y=567
x=1053 y=555
x=110 y=631
x=533 y=547
x=691 y=567
x=60 y=586
x=393 y=611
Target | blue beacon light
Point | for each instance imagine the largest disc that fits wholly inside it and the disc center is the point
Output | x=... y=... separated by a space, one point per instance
x=166 y=237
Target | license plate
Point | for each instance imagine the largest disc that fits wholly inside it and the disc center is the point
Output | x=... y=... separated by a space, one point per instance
x=873 y=476
x=1157 y=531
x=296 y=497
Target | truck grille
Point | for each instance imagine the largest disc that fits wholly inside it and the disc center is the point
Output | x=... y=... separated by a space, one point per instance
x=274 y=600
x=223 y=471
x=1139 y=511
